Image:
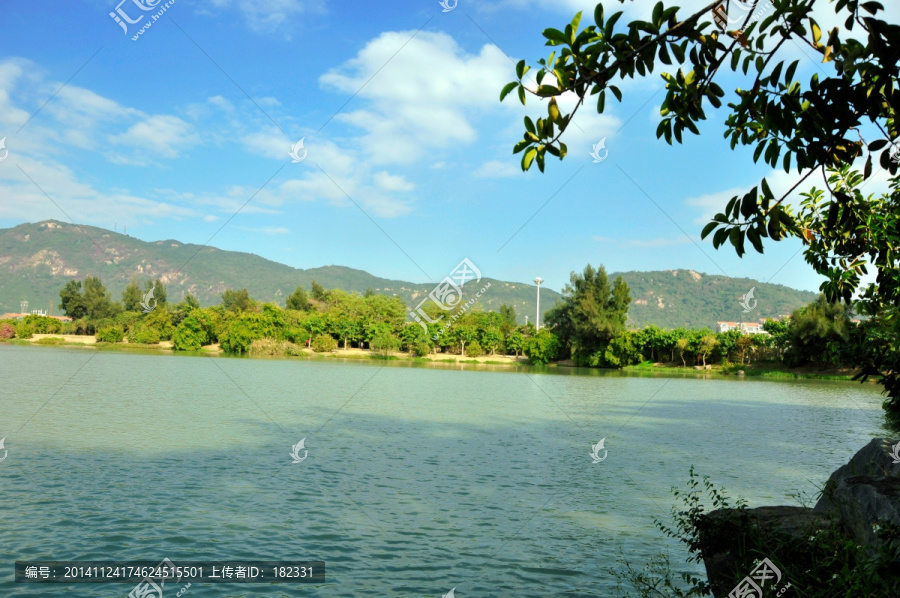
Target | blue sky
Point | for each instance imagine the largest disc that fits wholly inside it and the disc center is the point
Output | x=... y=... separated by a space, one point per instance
x=188 y=128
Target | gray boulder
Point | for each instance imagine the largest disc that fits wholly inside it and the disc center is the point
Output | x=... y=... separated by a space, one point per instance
x=873 y=460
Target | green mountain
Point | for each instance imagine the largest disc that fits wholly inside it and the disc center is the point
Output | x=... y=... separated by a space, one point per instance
x=36 y=260
x=673 y=298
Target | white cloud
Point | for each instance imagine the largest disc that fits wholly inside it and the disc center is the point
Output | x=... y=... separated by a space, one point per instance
x=424 y=97
x=161 y=136
x=265 y=16
x=495 y=169
x=392 y=182
x=62 y=195
x=780 y=182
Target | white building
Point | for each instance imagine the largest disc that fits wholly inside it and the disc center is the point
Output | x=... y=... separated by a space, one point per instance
x=744 y=327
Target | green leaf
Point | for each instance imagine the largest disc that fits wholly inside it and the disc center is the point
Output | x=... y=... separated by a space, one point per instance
x=528 y=158
x=720 y=237
x=755 y=240
x=576 y=21
x=708 y=229
x=616 y=92
x=529 y=125
x=601 y=101
x=521 y=145
x=598 y=14
x=607 y=29
x=508 y=88
x=522 y=94
x=555 y=36
x=664 y=55
x=871 y=7
x=789 y=74
x=547 y=91
x=748 y=204
x=765 y=189
x=735 y=237
x=521 y=69
x=816 y=32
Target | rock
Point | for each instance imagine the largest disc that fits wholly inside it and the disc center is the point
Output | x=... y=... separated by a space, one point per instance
x=730 y=537
x=741 y=373
x=864 y=502
x=708 y=367
x=859 y=498
x=698 y=367
x=864 y=493
x=873 y=460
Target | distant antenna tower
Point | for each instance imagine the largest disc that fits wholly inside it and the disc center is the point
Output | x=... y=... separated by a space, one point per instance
x=24 y=307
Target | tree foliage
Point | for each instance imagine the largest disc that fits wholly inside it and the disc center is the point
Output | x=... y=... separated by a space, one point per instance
x=590 y=313
x=298 y=300
x=542 y=347
x=841 y=118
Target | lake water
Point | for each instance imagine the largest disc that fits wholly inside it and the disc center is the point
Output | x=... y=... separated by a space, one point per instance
x=419 y=478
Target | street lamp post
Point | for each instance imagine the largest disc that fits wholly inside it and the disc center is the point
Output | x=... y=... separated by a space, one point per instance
x=537 y=320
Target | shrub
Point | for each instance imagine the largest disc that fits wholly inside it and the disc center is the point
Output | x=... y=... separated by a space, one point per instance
x=248 y=327
x=189 y=335
x=43 y=324
x=110 y=334
x=145 y=335
x=621 y=352
x=270 y=346
x=24 y=330
x=384 y=343
x=542 y=347
x=421 y=349
x=7 y=330
x=324 y=343
x=474 y=349
x=50 y=340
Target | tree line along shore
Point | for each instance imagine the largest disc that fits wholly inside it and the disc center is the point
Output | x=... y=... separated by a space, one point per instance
x=587 y=328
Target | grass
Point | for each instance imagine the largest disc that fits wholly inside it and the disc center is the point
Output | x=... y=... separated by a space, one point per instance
x=50 y=340
x=759 y=370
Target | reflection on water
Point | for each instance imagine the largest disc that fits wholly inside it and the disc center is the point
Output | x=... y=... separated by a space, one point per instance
x=419 y=477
